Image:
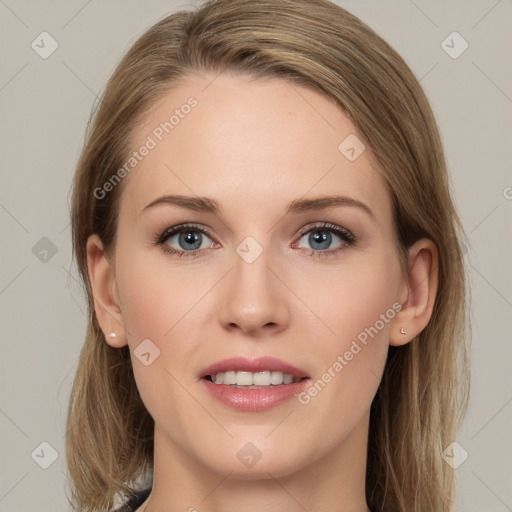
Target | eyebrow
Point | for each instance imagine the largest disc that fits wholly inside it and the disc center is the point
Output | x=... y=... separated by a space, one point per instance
x=208 y=205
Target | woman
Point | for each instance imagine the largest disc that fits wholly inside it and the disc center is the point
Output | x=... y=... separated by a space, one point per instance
x=263 y=222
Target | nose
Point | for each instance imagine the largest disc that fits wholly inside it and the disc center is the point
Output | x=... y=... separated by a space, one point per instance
x=254 y=300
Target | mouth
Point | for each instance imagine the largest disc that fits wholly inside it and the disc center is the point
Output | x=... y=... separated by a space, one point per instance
x=253 y=384
x=246 y=372
x=250 y=380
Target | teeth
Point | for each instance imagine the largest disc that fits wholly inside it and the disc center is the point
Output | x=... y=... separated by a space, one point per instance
x=267 y=378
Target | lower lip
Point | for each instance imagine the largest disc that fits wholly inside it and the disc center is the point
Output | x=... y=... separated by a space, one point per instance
x=254 y=399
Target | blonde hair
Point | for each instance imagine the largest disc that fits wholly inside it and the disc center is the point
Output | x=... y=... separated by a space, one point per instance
x=424 y=390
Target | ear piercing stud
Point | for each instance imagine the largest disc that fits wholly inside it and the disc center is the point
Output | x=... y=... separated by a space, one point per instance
x=112 y=335
x=402 y=330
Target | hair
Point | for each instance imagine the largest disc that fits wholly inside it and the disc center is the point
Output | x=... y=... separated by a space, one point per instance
x=423 y=394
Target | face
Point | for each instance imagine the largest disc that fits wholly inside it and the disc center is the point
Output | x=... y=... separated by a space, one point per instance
x=316 y=289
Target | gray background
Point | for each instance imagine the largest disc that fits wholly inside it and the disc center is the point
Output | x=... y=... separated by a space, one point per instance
x=45 y=104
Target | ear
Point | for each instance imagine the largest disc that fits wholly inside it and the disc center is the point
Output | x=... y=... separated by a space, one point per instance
x=421 y=289
x=106 y=300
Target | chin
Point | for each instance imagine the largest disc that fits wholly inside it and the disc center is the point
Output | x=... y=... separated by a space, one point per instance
x=251 y=463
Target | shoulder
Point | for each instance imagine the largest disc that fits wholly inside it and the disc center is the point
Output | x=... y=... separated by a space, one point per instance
x=135 y=501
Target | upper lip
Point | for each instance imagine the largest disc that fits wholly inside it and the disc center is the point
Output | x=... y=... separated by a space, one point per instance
x=246 y=364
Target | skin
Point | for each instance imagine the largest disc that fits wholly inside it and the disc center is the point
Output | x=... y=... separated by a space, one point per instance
x=254 y=146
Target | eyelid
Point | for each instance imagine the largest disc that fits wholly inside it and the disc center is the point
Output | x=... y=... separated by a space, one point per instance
x=328 y=227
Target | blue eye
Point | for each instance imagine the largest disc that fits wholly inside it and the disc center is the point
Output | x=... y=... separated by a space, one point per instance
x=190 y=236
x=320 y=238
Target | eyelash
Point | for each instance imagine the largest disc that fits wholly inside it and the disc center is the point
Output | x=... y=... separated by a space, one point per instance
x=346 y=236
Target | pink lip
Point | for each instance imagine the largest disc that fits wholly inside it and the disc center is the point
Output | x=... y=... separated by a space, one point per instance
x=244 y=364
x=254 y=400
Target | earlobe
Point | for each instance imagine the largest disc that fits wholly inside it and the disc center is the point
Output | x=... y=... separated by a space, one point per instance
x=106 y=300
x=422 y=283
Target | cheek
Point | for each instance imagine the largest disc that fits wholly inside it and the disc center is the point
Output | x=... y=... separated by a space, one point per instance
x=160 y=303
x=154 y=302
x=350 y=299
x=357 y=313
x=147 y=311
x=370 y=294
x=153 y=296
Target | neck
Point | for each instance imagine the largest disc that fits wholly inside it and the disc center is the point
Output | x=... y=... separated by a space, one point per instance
x=334 y=481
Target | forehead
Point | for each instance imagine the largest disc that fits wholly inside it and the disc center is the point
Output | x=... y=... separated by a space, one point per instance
x=249 y=143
